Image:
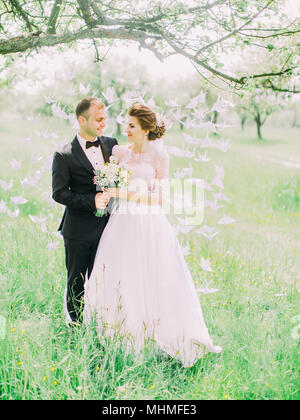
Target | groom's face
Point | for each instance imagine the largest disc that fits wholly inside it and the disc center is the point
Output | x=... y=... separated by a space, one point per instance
x=95 y=122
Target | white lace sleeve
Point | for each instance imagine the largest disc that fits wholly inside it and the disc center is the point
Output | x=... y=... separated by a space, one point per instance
x=118 y=152
x=162 y=165
x=161 y=182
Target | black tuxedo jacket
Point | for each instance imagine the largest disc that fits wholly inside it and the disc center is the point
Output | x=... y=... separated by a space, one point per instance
x=72 y=186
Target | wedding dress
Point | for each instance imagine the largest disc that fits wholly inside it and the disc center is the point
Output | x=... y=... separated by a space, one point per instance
x=140 y=285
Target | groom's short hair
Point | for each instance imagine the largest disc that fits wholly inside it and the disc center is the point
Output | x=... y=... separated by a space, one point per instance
x=84 y=105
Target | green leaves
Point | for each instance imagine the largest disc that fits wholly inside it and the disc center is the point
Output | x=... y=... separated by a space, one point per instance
x=203 y=31
x=242 y=5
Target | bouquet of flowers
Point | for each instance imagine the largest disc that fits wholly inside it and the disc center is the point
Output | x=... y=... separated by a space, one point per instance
x=110 y=175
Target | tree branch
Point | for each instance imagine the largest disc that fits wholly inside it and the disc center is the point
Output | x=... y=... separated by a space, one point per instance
x=19 y=11
x=161 y=16
x=241 y=81
x=218 y=41
x=272 y=29
x=273 y=35
x=172 y=27
x=207 y=6
x=199 y=62
x=37 y=40
x=97 y=12
x=54 y=16
x=280 y=73
x=84 y=8
x=268 y=84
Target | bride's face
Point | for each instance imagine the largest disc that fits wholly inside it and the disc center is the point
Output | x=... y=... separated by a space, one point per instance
x=135 y=132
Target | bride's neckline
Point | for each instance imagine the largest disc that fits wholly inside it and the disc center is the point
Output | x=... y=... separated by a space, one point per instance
x=143 y=152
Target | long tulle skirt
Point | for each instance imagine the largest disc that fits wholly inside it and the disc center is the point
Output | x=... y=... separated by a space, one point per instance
x=141 y=286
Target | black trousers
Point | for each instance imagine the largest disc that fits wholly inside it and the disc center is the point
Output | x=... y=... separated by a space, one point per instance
x=80 y=256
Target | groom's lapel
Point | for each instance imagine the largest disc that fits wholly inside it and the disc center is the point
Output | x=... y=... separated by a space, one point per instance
x=80 y=155
x=104 y=148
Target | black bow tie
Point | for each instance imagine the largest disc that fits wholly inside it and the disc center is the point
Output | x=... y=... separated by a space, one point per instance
x=89 y=144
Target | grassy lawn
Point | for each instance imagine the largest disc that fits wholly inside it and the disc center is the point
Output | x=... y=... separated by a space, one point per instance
x=255 y=265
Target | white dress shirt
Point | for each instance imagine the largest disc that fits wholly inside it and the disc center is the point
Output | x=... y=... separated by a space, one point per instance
x=94 y=154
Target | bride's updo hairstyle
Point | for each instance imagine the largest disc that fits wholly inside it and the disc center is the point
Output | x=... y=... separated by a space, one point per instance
x=148 y=120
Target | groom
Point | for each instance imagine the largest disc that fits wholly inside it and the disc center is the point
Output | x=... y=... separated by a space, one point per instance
x=72 y=185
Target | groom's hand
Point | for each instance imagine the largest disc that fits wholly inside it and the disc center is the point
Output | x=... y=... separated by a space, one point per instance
x=101 y=200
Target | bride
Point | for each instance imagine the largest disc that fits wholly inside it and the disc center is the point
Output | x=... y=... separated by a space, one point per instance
x=140 y=285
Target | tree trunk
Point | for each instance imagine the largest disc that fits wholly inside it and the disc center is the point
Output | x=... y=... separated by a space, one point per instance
x=214 y=120
x=119 y=131
x=295 y=119
x=181 y=124
x=258 y=125
x=243 y=120
x=215 y=117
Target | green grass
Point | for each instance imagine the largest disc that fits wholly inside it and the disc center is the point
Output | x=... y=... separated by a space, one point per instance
x=253 y=260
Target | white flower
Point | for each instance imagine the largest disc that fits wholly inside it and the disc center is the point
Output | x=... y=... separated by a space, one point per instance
x=113 y=159
x=111 y=174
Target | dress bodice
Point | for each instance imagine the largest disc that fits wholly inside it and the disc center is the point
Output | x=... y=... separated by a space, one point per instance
x=149 y=166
